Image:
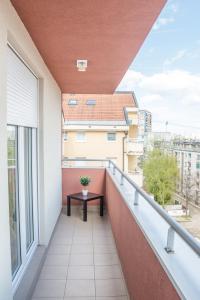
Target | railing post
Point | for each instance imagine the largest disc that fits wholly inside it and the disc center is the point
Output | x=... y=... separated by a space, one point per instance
x=136 y=198
x=170 y=241
x=122 y=179
x=113 y=170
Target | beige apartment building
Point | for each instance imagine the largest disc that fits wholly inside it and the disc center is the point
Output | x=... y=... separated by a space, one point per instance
x=103 y=126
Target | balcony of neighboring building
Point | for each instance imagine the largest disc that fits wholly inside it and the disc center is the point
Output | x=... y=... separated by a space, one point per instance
x=134 y=146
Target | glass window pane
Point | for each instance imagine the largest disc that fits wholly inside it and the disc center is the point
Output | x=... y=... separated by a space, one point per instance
x=72 y=102
x=13 y=199
x=111 y=136
x=91 y=102
x=28 y=187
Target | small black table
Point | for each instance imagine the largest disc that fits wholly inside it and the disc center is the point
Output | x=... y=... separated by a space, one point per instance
x=85 y=199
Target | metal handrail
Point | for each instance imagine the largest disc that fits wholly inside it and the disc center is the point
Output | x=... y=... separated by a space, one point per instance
x=187 y=237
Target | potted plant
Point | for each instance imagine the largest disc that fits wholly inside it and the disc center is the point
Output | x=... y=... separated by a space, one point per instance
x=85 y=180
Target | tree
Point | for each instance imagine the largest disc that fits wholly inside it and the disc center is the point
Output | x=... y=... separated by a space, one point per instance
x=160 y=175
x=188 y=185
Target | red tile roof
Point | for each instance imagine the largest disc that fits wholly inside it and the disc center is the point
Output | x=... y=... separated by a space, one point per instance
x=107 y=107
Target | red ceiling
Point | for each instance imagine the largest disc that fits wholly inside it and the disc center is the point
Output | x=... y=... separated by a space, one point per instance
x=108 y=33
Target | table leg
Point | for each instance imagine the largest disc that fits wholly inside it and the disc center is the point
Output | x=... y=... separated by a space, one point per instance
x=101 y=206
x=85 y=211
x=68 y=206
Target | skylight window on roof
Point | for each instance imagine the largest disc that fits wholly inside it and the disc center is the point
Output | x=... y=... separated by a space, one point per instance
x=91 y=102
x=72 y=102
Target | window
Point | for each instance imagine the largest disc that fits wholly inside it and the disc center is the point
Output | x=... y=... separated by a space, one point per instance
x=198 y=165
x=72 y=102
x=91 y=102
x=28 y=187
x=13 y=190
x=65 y=136
x=80 y=136
x=111 y=136
x=22 y=187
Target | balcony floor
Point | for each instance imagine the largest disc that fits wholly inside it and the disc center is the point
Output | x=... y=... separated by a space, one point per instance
x=82 y=261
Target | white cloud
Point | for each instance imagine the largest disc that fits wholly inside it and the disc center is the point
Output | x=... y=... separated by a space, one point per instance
x=172 y=96
x=174 y=7
x=151 y=98
x=168 y=17
x=179 y=55
x=163 y=21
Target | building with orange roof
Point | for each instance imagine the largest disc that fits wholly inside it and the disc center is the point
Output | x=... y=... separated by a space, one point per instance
x=103 y=126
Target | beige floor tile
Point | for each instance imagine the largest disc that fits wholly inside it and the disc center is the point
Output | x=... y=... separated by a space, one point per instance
x=112 y=298
x=57 y=240
x=80 y=298
x=49 y=288
x=56 y=260
x=108 y=272
x=59 y=249
x=103 y=241
x=106 y=259
x=80 y=272
x=82 y=249
x=80 y=288
x=81 y=260
x=110 y=287
x=47 y=298
x=54 y=272
x=101 y=249
x=82 y=240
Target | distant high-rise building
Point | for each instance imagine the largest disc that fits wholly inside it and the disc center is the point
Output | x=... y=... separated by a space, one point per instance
x=145 y=122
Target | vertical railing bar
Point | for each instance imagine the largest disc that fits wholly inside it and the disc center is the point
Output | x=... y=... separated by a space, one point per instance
x=109 y=164
x=113 y=170
x=136 y=196
x=122 y=179
x=170 y=240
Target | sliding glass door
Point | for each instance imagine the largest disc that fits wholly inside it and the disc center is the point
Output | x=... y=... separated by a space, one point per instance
x=22 y=186
x=13 y=189
x=28 y=185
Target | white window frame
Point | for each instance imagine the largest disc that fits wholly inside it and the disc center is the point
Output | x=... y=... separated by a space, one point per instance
x=81 y=133
x=115 y=134
x=26 y=256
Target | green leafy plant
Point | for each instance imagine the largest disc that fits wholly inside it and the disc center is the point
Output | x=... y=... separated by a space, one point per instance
x=85 y=180
x=160 y=176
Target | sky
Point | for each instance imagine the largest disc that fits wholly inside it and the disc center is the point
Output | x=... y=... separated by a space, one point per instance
x=165 y=75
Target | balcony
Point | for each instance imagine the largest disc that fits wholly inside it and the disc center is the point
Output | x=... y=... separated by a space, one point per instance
x=83 y=258
x=135 y=147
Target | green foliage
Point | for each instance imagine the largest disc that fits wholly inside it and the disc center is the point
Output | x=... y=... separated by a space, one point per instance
x=160 y=175
x=85 y=180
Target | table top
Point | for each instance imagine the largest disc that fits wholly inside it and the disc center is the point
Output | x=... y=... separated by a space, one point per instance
x=90 y=196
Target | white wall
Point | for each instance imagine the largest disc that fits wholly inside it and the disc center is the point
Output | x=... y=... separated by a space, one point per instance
x=13 y=30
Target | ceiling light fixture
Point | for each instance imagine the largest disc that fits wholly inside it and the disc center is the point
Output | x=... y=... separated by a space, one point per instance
x=81 y=65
